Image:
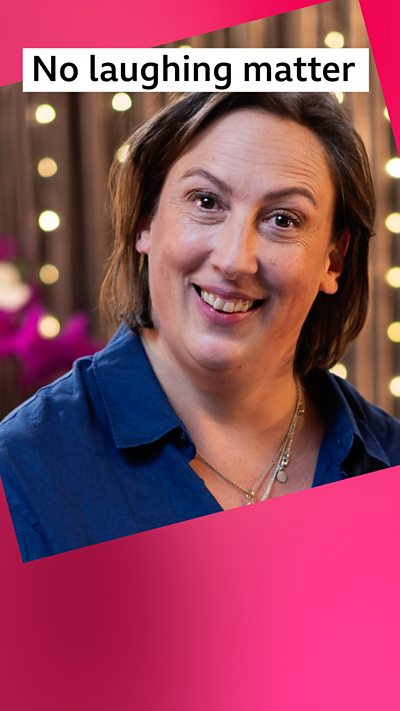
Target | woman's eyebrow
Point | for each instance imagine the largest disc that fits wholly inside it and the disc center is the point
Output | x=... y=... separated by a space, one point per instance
x=289 y=192
x=271 y=195
x=202 y=173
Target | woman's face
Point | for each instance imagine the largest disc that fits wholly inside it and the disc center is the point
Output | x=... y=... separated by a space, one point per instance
x=241 y=244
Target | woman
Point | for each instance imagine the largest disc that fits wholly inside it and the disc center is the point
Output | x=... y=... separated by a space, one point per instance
x=239 y=274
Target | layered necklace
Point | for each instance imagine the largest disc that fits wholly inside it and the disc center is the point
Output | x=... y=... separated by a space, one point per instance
x=276 y=468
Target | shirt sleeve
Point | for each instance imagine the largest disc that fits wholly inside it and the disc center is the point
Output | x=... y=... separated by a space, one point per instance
x=31 y=540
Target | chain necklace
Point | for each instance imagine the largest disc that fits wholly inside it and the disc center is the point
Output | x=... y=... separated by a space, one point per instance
x=277 y=464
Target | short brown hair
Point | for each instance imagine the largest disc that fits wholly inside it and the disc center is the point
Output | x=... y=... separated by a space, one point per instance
x=333 y=320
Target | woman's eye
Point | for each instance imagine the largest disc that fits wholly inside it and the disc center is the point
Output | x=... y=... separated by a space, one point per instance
x=206 y=201
x=285 y=221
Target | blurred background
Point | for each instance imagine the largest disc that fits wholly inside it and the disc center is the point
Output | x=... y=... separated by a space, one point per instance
x=55 y=153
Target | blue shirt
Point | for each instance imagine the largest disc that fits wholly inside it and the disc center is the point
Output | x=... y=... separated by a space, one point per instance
x=101 y=454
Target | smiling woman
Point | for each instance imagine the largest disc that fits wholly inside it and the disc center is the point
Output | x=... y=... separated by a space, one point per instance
x=239 y=275
x=252 y=193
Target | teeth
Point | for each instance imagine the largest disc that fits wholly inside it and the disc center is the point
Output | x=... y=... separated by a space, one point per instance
x=228 y=307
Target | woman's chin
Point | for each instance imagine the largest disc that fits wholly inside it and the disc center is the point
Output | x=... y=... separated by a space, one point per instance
x=219 y=359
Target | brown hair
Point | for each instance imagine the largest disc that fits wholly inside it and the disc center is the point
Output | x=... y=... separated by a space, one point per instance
x=333 y=320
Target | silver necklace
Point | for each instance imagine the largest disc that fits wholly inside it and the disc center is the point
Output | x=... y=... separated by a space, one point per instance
x=278 y=463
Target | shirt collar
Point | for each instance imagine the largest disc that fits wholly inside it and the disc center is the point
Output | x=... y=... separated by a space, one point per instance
x=137 y=407
x=140 y=412
x=344 y=410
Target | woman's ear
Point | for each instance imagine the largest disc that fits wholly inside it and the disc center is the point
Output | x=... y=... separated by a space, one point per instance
x=335 y=263
x=143 y=240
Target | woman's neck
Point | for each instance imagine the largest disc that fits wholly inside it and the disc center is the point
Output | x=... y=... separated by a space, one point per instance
x=257 y=400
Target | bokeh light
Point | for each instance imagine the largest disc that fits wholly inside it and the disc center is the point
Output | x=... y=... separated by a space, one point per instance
x=334 y=40
x=45 y=113
x=392 y=277
x=393 y=331
x=121 y=102
x=340 y=370
x=48 y=220
x=392 y=167
x=48 y=326
x=392 y=222
x=49 y=274
x=47 y=167
x=394 y=386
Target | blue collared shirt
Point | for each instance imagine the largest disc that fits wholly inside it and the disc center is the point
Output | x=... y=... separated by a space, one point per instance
x=101 y=454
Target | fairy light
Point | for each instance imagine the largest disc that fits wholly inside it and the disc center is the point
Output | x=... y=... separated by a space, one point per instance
x=45 y=113
x=392 y=277
x=392 y=167
x=48 y=220
x=334 y=40
x=393 y=331
x=121 y=102
x=123 y=152
x=392 y=222
x=394 y=386
x=47 y=167
x=49 y=274
x=48 y=326
x=340 y=370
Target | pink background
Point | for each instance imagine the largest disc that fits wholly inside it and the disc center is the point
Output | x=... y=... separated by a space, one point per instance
x=289 y=604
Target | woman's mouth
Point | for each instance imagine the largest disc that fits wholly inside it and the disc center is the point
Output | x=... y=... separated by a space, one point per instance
x=226 y=305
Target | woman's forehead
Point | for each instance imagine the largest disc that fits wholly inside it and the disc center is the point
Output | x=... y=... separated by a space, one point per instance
x=253 y=147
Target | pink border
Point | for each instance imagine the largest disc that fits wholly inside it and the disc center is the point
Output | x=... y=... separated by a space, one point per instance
x=288 y=605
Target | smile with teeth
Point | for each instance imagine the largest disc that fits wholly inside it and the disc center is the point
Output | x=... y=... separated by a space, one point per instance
x=227 y=306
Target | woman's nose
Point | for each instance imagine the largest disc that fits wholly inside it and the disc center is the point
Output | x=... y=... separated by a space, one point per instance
x=235 y=250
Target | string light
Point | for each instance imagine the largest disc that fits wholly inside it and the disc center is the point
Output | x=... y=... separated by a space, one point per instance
x=45 y=113
x=121 y=102
x=47 y=167
x=48 y=220
x=49 y=274
x=334 y=40
x=393 y=331
x=392 y=167
x=122 y=153
x=394 y=386
x=340 y=370
x=48 y=326
x=392 y=222
x=392 y=277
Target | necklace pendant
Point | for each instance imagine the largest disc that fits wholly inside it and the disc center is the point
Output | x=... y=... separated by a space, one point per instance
x=282 y=477
x=250 y=496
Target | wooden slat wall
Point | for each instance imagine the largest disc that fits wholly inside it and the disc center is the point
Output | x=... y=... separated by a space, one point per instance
x=87 y=132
